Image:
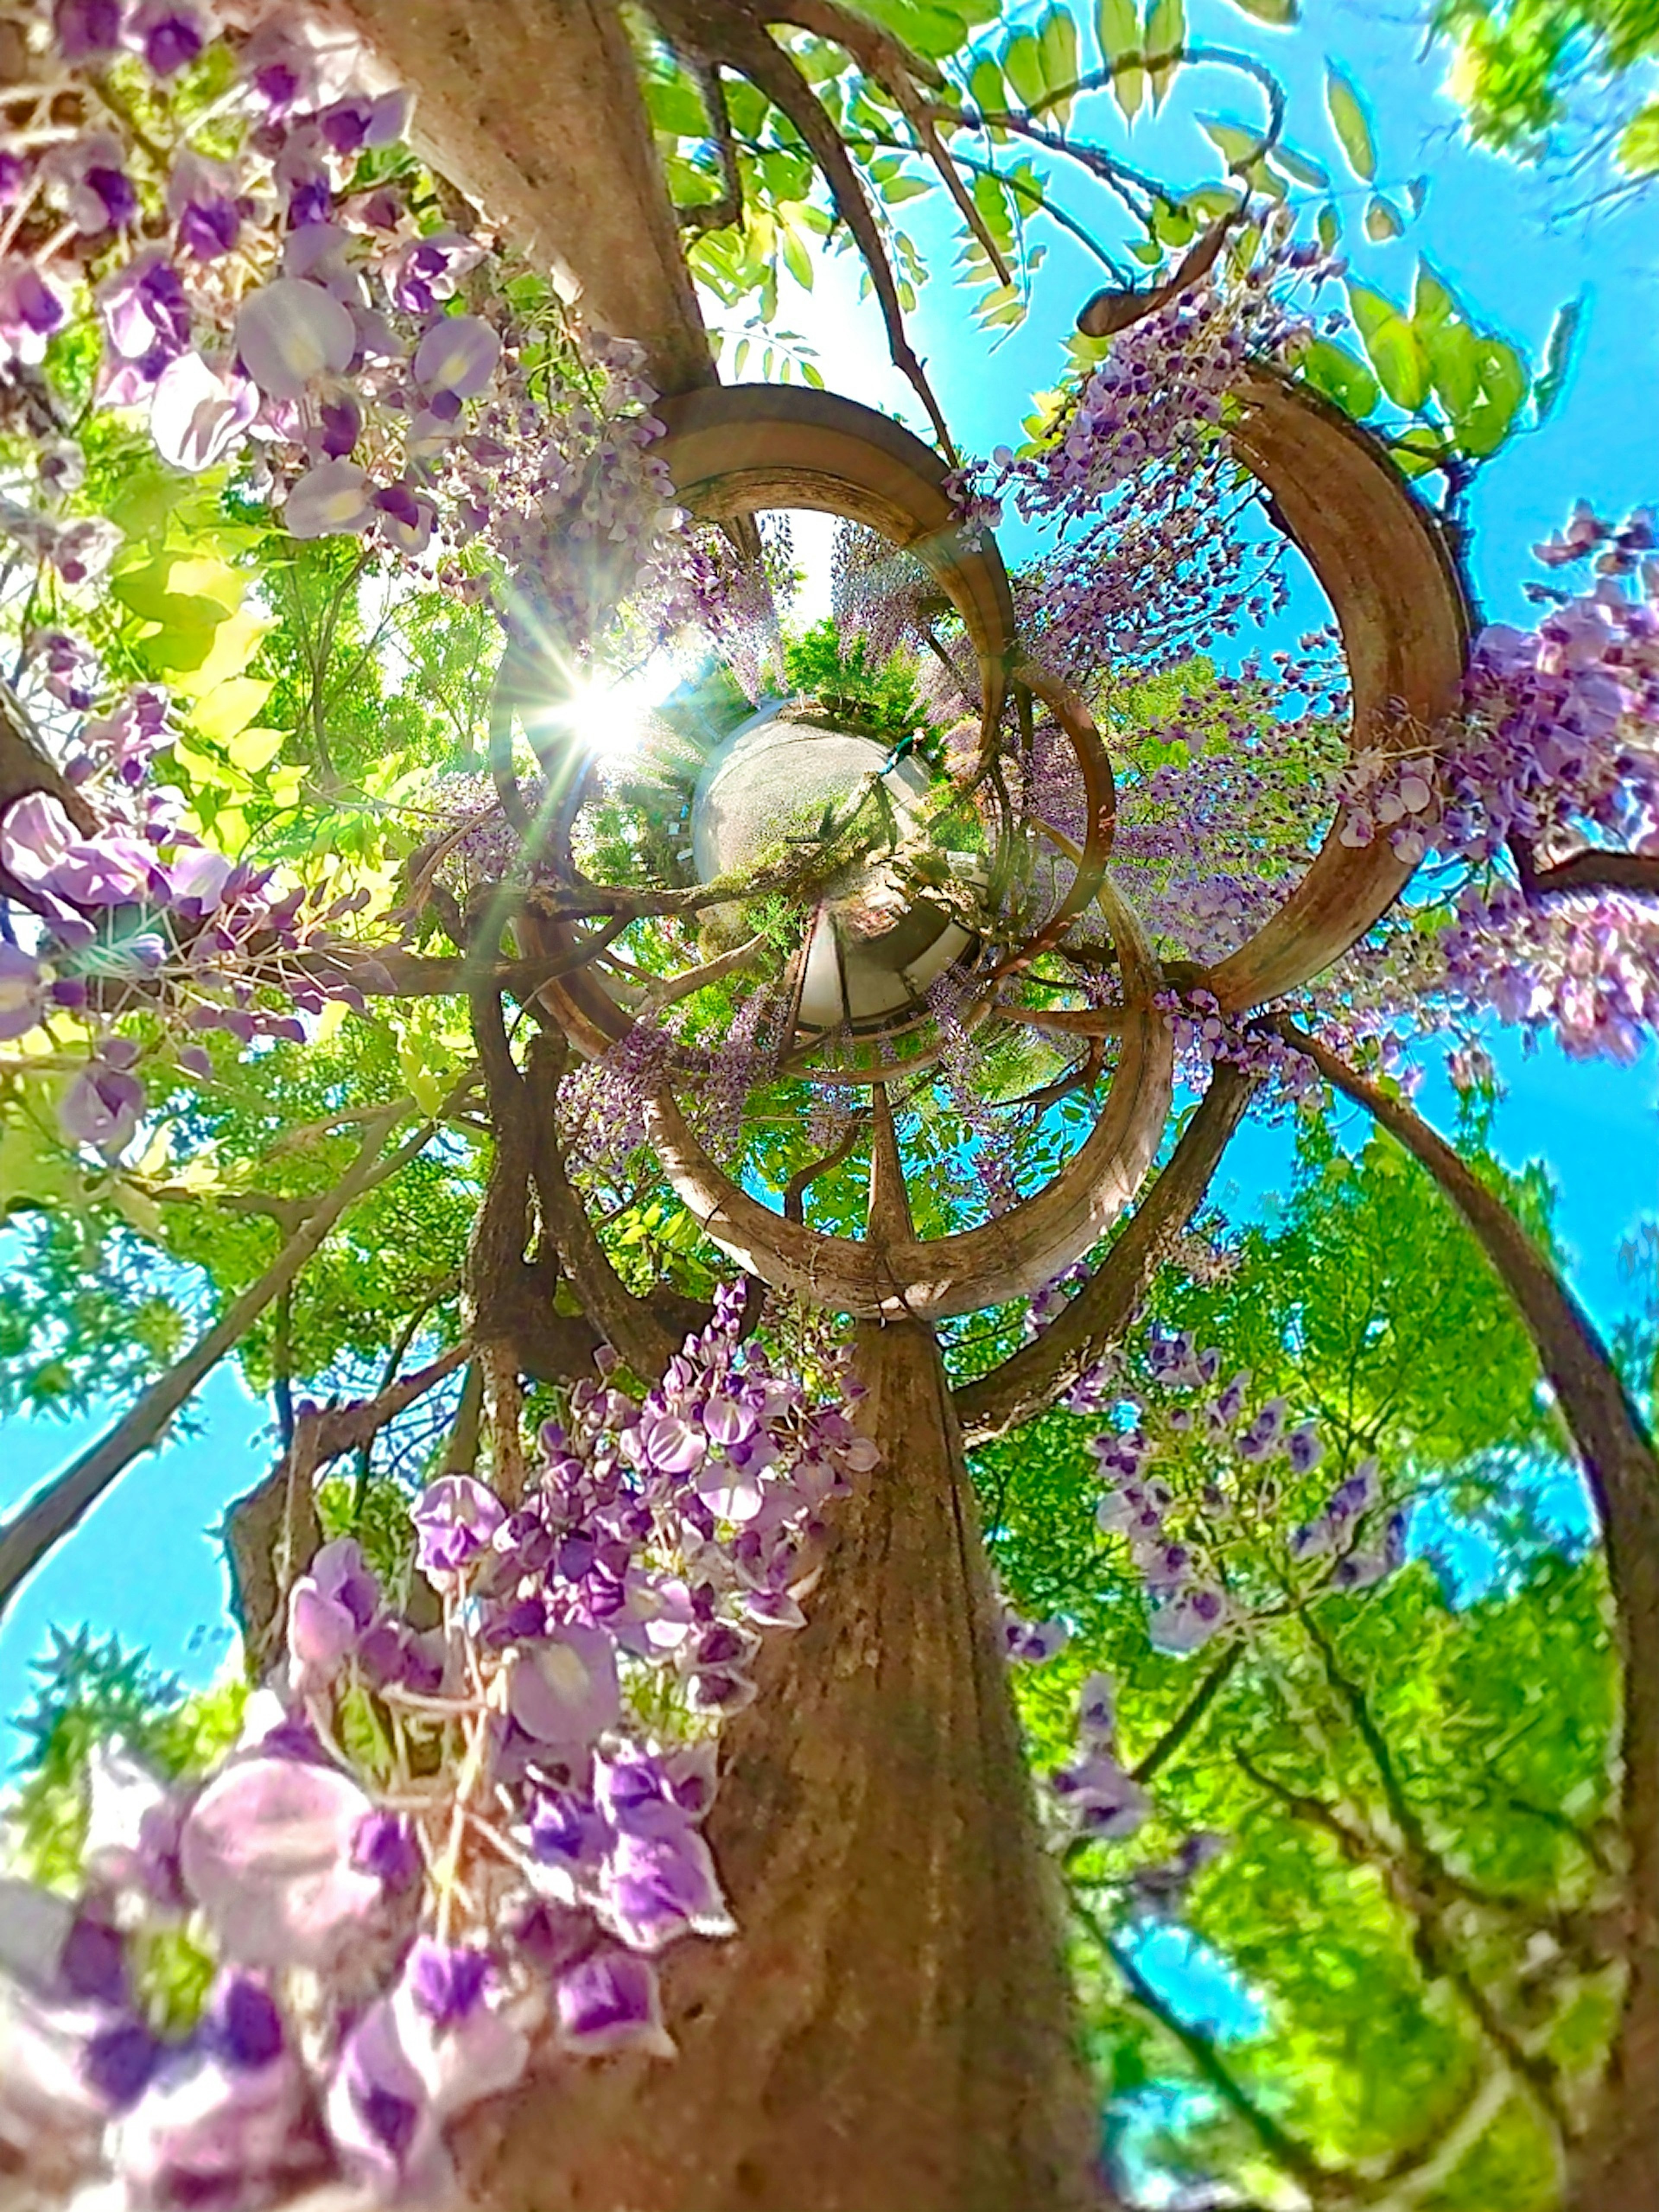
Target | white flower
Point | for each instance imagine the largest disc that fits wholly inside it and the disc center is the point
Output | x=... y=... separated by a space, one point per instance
x=291 y=331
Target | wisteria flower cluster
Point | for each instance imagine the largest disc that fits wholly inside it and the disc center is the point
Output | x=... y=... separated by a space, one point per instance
x=1196 y=1480
x=1099 y=1800
x=950 y=998
x=138 y=916
x=441 y=1854
x=265 y=289
x=1147 y=566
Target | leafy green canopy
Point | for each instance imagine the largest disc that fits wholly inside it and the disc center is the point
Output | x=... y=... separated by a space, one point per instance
x=1521 y=62
x=1416 y=1798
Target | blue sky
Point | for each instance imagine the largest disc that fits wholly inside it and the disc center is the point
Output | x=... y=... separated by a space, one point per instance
x=141 y=1564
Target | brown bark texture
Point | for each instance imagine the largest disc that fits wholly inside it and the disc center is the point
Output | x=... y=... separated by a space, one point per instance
x=890 y=2030
x=533 y=108
x=1616 y=2167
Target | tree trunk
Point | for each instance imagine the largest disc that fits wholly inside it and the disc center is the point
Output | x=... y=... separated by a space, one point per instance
x=890 y=2030
x=1616 y=2167
x=533 y=108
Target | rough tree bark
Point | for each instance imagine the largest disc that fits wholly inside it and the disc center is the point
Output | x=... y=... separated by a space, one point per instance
x=891 y=2027
x=1616 y=2167
x=533 y=108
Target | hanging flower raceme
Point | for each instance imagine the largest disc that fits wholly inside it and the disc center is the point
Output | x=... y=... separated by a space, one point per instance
x=1198 y=1482
x=269 y=302
x=486 y=1878
x=1130 y=477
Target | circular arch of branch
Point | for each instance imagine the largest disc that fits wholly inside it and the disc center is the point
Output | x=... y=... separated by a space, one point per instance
x=1383 y=564
x=896 y=1273
x=735 y=450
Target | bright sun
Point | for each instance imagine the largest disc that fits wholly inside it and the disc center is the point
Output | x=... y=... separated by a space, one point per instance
x=607 y=716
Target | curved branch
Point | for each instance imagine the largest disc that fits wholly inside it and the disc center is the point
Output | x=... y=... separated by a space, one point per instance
x=795 y=1190
x=644 y=1334
x=773 y=71
x=1618 y=2170
x=1592 y=870
x=1293 y=2157
x=1030 y=1380
x=727 y=210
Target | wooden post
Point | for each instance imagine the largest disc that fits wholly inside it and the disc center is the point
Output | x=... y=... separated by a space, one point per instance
x=891 y=2029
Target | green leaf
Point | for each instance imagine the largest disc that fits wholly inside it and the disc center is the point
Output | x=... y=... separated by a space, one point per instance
x=1454 y=364
x=1281 y=13
x=1118 y=26
x=796 y=259
x=1383 y=221
x=1172 y=227
x=1302 y=170
x=1329 y=224
x=1504 y=381
x=1022 y=65
x=988 y=90
x=1393 y=347
x=1341 y=376
x=254 y=748
x=1057 y=35
x=1420 y=449
x=1350 y=122
x=992 y=198
x=1433 y=300
x=1240 y=148
x=1166 y=34
x=672 y=104
x=933 y=31
x=1638 y=143
x=227 y=710
x=1558 y=357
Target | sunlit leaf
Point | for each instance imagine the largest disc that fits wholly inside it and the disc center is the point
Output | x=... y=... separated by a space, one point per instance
x=1022 y=65
x=1503 y=383
x=1057 y=35
x=988 y=90
x=1383 y=221
x=926 y=28
x=1433 y=299
x=1118 y=26
x=1280 y=13
x=1239 y=148
x=1341 y=376
x=228 y=710
x=1392 y=346
x=1638 y=143
x=1301 y=169
x=254 y=748
x=1165 y=34
x=1350 y=122
x=1454 y=363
